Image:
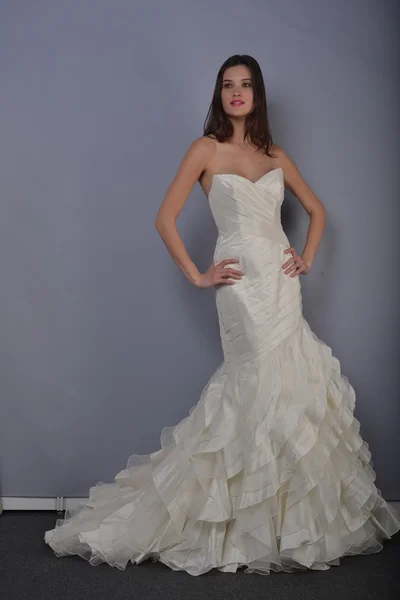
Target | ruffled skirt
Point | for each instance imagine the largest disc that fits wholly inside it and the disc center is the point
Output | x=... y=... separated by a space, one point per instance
x=268 y=471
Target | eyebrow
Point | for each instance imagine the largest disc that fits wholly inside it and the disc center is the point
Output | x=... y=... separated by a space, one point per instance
x=243 y=79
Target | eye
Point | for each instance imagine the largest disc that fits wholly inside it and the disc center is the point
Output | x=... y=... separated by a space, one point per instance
x=246 y=84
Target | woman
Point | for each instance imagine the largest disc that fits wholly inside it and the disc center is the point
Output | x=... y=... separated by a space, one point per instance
x=268 y=471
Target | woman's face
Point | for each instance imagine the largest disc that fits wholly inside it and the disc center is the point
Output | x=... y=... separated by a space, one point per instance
x=237 y=85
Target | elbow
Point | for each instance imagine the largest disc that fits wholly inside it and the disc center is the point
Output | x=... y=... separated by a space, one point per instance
x=162 y=224
x=159 y=224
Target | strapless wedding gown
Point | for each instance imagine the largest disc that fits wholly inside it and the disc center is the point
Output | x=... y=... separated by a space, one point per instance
x=268 y=470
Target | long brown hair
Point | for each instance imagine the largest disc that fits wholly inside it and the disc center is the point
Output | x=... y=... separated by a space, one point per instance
x=257 y=127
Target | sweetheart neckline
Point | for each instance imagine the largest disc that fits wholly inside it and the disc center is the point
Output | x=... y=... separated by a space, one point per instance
x=241 y=177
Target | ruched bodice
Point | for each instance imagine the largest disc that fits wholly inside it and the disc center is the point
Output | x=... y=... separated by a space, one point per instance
x=240 y=206
x=266 y=301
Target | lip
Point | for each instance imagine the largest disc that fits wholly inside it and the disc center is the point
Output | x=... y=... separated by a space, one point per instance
x=237 y=103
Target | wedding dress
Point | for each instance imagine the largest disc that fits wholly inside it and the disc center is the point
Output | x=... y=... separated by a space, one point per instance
x=268 y=471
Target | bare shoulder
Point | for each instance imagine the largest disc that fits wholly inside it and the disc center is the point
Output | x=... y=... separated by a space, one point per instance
x=295 y=182
x=277 y=151
x=193 y=164
x=201 y=148
x=198 y=157
x=284 y=161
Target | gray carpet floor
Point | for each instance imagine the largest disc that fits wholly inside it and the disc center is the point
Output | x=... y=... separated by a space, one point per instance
x=29 y=570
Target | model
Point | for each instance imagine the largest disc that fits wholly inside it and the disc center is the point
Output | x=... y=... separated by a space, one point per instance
x=268 y=471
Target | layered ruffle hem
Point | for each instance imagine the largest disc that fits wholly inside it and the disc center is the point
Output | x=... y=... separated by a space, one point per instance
x=268 y=471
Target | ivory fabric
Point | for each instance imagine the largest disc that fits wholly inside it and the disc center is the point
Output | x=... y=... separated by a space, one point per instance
x=269 y=470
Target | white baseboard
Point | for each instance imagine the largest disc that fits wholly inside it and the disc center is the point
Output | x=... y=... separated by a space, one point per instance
x=61 y=504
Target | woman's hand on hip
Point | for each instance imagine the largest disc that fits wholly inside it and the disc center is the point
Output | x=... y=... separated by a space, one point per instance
x=220 y=274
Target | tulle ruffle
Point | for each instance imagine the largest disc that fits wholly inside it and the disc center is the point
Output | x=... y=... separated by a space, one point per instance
x=268 y=471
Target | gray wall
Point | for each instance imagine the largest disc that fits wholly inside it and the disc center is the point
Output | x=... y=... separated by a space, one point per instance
x=103 y=341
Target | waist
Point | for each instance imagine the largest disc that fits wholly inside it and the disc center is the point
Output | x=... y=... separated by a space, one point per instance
x=273 y=233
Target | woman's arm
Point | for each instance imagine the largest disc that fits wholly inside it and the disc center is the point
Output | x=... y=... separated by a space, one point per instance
x=193 y=164
x=310 y=202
